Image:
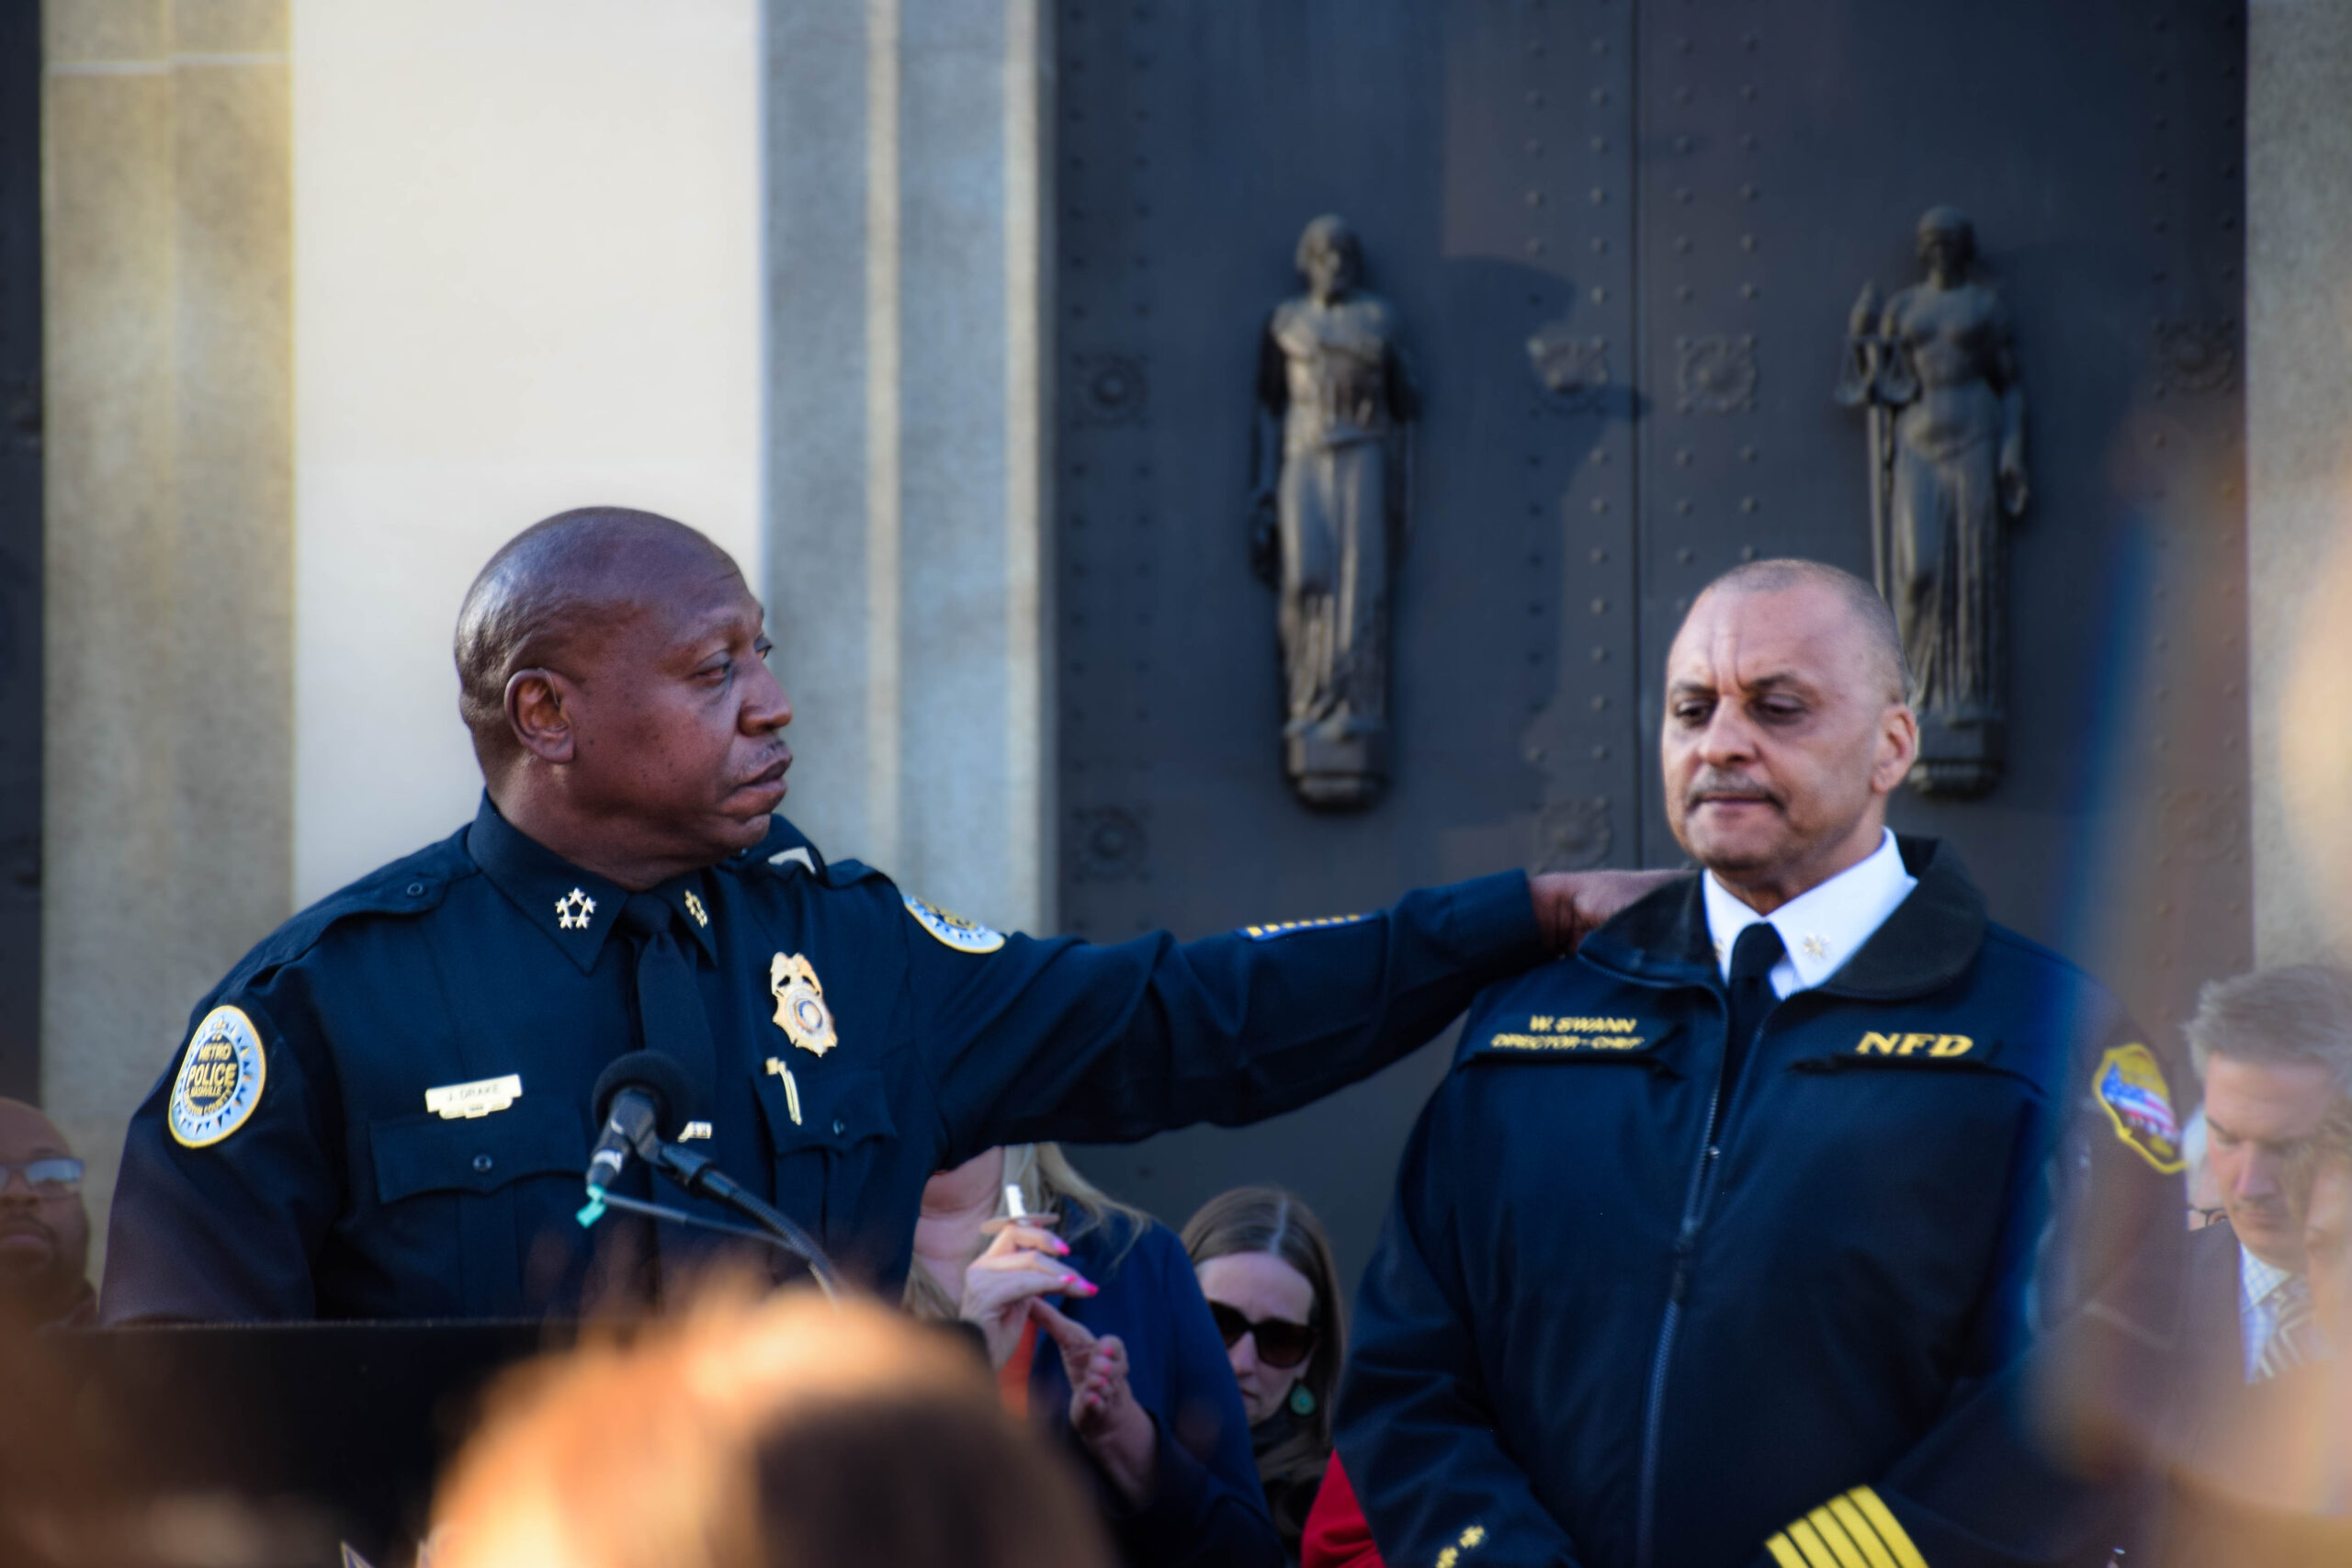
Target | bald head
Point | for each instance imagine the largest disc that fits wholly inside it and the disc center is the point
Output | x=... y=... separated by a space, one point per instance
x=1877 y=641
x=576 y=574
x=1785 y=727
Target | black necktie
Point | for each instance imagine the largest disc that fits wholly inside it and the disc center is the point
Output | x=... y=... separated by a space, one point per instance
x=1752 y=957
x=669 y=1004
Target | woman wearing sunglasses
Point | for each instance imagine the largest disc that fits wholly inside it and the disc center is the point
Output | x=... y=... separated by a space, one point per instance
x=1265 y=1266
x=1098 y=1333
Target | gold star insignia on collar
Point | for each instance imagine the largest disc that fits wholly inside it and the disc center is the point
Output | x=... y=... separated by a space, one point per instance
x=572 y=911
x=1814 y=946
x=694 y=908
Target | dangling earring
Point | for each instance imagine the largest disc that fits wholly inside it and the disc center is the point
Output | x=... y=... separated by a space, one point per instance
x=1302 y=1401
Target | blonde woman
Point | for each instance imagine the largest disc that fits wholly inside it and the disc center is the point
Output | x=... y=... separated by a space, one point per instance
x=1099 y=1332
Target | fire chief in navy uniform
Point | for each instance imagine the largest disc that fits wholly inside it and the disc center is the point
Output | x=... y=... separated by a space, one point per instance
x=383 y=1111
x=1804 y=1218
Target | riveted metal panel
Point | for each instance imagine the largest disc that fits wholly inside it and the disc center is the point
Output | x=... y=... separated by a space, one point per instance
x=1622 y=240
x=20 y=552
x=1788 y=151
x=1483 y=153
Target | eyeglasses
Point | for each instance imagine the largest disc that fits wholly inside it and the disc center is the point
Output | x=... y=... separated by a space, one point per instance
x=1281 y=1343
x=57 y=1177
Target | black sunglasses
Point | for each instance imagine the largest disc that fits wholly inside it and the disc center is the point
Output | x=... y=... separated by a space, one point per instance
x=1281 y=1343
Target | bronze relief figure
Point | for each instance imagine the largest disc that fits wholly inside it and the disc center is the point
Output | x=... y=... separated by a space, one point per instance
x=1333 y=476
x=1937 y=370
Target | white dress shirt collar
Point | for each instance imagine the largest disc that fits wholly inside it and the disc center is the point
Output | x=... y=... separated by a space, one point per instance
x=1823 y=926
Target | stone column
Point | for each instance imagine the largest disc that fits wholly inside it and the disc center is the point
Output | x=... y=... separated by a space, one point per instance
x=168 y=768
x=2299 y=463
x=908 y=346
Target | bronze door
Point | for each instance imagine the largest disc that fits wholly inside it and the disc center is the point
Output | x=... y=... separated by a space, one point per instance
x=1617 y=249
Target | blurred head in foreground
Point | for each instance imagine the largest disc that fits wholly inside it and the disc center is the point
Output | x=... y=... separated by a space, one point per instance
x=761 y=1434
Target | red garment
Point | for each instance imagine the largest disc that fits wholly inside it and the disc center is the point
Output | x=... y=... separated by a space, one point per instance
x=1337 y=1535
x=1012 y=1378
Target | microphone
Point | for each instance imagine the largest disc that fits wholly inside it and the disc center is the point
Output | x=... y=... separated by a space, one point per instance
x=641 y=1101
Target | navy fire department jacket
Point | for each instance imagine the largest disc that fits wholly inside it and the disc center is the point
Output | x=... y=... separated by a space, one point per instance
x=384 y=1109
x=1893 y=1303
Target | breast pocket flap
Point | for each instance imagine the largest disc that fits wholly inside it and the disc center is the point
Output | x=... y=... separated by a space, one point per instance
x=425 y=1153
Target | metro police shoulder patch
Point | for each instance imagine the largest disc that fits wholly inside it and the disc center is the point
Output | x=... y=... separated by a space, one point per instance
x=2130 y=1084
x=220 y=1080
x=1286 y=927
x=963 y=935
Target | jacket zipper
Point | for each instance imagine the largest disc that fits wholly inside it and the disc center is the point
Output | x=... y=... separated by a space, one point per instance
x=1686 y=1243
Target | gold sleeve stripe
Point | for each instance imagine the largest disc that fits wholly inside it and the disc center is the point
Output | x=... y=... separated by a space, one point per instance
x=1890 y=1531
x=1783 y=1553
x=1858 y=1530
x=1834 y=1534
x=1816 y=1551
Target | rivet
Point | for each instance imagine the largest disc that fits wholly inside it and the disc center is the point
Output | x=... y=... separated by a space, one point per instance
x=1747 y=192
x=1599 y=556
x=1600 y=753
x=1682 y=194
x=1682 y=507
x=1599 y=196
x=1748 y=94
x=840 y=1126
x=483 y=1164
x=1685 y=293
x=1682 y=145
x=1599 y=247
x=1535 y=247
x=1601 y=454
x=1535 y=147
x=1747 y=504
x=1747 y=291
x=1683 y=244
x=1682 y=458
x=1601 y=297
x=1535 y=101
x=1599 y=504
x=1686 y=554
x=1600 y=704
x=1600 y=95
x=1600 y=606
x=1748 y=454
x=1748 y=552
x=1601 y=144
x=416 y=889
x=1601 y=656
x=1535 y=198
x=1747 y=242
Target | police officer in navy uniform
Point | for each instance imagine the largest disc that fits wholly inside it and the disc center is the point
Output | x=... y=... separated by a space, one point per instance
x=1804 y=1217
x=383 y=1111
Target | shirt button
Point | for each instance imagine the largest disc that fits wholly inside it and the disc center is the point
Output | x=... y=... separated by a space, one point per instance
x=840 y=1126
x=482 y=1163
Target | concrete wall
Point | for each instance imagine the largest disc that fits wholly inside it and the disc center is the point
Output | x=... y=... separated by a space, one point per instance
x=2299 y=472
x=906 y=432
x=527 y=260
x=167 y=788
x=340 y=296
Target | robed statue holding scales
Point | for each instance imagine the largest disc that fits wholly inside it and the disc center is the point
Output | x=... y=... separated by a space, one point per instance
x=1331 y=478
x=1937 y=370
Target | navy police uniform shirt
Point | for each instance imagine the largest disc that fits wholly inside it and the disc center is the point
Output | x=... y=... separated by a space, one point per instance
x=383 y=1112
x=1838 y=1317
